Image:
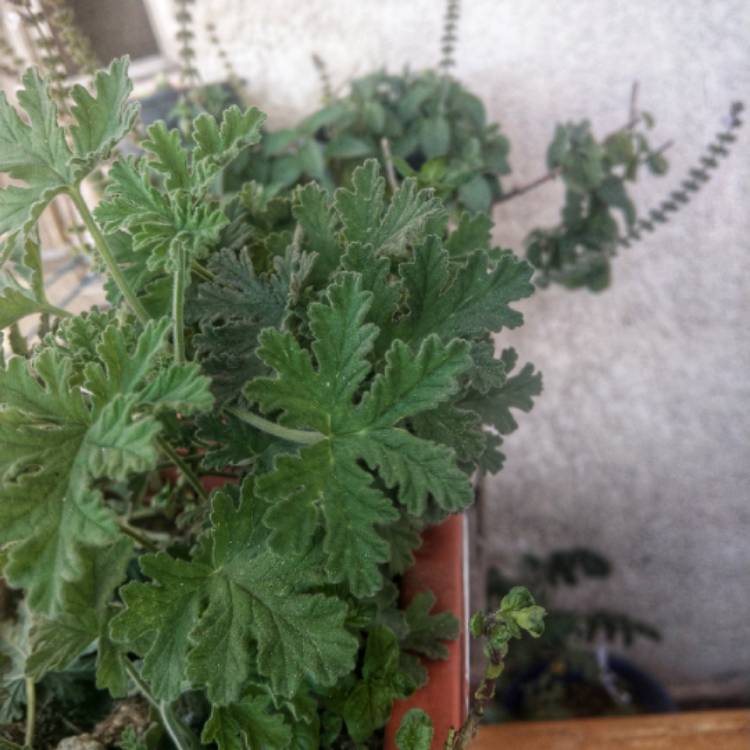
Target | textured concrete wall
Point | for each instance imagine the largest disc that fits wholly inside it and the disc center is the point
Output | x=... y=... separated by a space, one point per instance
x=639 y=445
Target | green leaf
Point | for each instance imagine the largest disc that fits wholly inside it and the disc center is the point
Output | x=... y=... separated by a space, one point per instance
x=276 y=143
x=657 y=163
x=612 y=192
x=54 y=441
x=234 y=307
x=472 y=233
x=415 y=731
x=461 y=300
x=516 y=392
x=579 y=157
x=56 y=642
x=236 y=610
x=518 y=606
x=46 y=512
x=178 y=388
x=312 y=210
x=248 y=724
x=17 y=302
x=426 y=631
x=403 y=537
x=364 y=216
x=159 y=222
x=324 y=117
x=368 y=706
x=37 y=153
x=376 y=278
x=373 y=114
x=459 y=429
x=167 y=156
x=620 y=148
x=101 y=120
x=185 y=215
x=347 y=146
x=114 y=446
x=361 y=207
x=14 y=650
x=312 y=160
x=476 y=194
x=216 y=144
x=435 y=136
x=317 y=486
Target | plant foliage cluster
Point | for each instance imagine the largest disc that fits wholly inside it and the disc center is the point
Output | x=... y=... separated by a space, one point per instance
x=326 y=355
x=565 y=673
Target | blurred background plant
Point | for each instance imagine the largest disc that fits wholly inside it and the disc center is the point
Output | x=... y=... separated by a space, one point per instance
x=573 y=668
x=424 y=124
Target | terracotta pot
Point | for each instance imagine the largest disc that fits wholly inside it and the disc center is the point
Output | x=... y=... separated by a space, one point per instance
x=441 y=568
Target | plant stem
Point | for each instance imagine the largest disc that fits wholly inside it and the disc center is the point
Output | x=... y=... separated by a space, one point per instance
x=390 y=172
x=58 y=312
x=551 y=175
x=633 y=111
x=136 y=534
x=28 y=740
x=462 y=739
x=178 y=305
x=299 y=233
x=182 y=737
x=200 y=270
x=109 y=260
x=305 y=437
x=33 y=258
x=184 y=467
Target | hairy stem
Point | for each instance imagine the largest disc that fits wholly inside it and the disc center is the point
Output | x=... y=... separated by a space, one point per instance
x=462 y=739
x=109 y=260
x=182 y=737
x=200 y=270
x=390 y=172
x=33 y=257
x=184 y=467
x=304 y=437
x=137 y=535
x=178 y=305
x=28 y=739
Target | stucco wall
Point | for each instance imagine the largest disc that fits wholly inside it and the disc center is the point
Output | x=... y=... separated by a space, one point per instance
x=639 y=445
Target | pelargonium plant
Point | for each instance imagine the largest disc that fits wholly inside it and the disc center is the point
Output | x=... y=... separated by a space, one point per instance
x=212 y=485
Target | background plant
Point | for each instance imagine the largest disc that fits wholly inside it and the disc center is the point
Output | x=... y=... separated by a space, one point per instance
x=567 y=657
x=516 y=613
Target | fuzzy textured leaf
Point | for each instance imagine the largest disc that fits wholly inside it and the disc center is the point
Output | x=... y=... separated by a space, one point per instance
x=38 y=154
x=236 y=610
x=54 y=440
x=317 y=486
x=246 y=725
x=367 y=220
x=461 y=300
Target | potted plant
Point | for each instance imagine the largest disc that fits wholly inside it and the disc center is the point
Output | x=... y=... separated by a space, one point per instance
x=357 y=369
x=325 y=355
x=576 y=668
